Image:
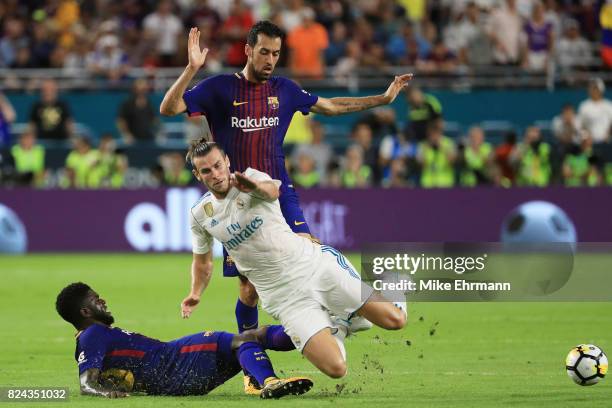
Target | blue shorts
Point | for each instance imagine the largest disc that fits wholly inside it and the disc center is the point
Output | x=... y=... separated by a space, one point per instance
x=290 y=206
x=200 y=362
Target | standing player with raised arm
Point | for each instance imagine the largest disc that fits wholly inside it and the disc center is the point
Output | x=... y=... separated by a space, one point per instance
x=248 y=114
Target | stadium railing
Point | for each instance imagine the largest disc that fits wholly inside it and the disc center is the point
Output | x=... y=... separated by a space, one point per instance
x=462 y=78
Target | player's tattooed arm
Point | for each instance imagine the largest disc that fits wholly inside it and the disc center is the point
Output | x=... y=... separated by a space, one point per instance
x=201 y=272
x=342 y=105
x=264 y=189
x=173 y=102
x=90 y=385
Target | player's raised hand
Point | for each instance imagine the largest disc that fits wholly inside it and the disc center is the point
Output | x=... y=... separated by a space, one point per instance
x=188 y=305
x=242 y=182
x=396 y=86
x=196 y=55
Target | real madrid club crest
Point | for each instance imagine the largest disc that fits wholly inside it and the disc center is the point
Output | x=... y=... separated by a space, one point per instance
x=273 y=102
x=296 y=341
x=208 y=209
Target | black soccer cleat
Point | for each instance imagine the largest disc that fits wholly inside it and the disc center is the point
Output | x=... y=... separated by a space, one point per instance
x=280 y=387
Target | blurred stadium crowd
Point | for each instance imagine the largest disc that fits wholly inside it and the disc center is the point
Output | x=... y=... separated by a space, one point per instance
x=573 y=150
x=107 y=39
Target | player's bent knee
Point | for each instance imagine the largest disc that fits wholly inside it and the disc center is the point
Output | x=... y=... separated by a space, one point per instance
x=335 y=369
x=396 y=320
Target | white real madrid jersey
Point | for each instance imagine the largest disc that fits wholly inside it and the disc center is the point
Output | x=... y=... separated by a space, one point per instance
x=257 y=237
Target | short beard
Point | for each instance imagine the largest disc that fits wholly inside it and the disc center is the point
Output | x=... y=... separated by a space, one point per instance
x=261 y=76
x=105 y=318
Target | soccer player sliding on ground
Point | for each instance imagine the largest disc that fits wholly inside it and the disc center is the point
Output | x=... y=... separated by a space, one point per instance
x=310 y=288
x=248 y=114
x=113 y=362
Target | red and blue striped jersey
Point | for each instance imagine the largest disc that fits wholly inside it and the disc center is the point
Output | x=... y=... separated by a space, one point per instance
x=248 y=120
x=186 y=366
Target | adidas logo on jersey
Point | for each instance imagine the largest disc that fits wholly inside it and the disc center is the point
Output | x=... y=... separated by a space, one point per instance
x=250 y=124
x=214 y=223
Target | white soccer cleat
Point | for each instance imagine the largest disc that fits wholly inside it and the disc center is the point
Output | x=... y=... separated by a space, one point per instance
x=403 y=306
x=359 y=323
x=353 y=325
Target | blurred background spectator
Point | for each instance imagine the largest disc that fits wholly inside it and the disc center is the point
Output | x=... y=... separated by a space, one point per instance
x=111 y=165
x=533 y=159
x=138 y=120
x=505 y=28
x=506 y=176
x=166 y=30
x=565 y=126
x=477 y=159
x=234 y=31
x=307 y=43
x=437 y=156
x=318 y=150
x=595 y=113
x=573 y=51
x=540 y=37
x=108 y=60
x=355 y=173
x=175 y=173
x=29 y=160
x=423 y=109
x=306 y=174
x=50 y=117
x=80 y=164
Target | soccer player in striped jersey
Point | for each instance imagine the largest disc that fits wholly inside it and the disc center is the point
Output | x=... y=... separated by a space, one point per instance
x=248 y=113
x=113 y=362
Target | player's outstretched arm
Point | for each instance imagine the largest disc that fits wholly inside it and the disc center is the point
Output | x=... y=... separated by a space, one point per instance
x=265 y=189
x=173 y=102
x=201 y=272
x=90 y=385
x=341 y=105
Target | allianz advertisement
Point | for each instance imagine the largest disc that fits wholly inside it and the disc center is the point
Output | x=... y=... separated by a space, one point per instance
x=156 y=220
x=143 y=221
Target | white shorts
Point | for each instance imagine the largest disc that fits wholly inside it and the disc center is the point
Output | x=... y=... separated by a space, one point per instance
x=335 y=288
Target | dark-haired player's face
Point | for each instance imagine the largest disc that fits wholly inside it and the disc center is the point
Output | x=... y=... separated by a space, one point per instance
x=96 y=307
x=263 y=57
x=213 y=171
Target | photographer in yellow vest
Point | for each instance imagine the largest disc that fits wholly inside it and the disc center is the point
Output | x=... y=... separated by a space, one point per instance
x=436 y=156
x=29 y=158
x=477 y=159
x=533 y=159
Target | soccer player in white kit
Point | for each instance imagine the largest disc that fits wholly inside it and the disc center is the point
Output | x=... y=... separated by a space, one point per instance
x=299 y=282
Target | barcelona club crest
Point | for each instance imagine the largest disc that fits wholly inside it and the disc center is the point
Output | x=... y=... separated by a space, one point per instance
x=208 y=209
x=273 y=102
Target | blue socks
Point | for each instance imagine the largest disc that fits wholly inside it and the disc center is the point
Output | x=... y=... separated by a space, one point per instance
x=277 y=339
x=246 y=316
x=255 y=361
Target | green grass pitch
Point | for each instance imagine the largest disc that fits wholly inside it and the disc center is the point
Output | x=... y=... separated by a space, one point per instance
x=449 y=355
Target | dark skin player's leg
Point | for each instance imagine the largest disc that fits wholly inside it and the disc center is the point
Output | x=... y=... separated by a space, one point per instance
x=257 y=335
